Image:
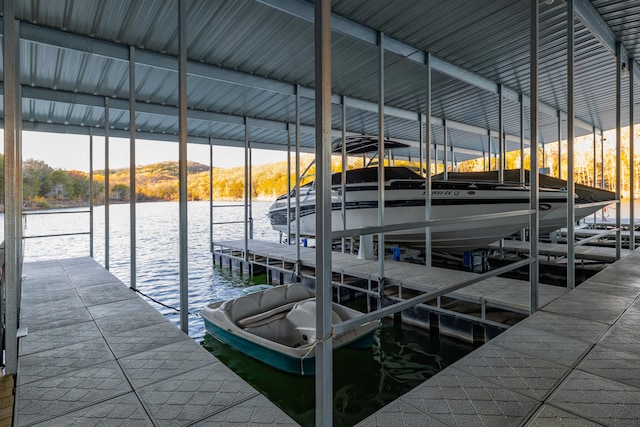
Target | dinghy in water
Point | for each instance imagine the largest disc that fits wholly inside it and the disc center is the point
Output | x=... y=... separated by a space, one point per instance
x=277 y=327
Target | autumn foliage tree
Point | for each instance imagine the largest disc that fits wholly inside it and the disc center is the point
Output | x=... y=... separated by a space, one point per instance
x=43 y=184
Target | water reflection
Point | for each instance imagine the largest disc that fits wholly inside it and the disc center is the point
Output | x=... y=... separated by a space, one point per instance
x=364 y=380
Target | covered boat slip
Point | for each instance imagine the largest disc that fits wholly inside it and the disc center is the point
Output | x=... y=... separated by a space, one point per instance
x=97 y=353
x=402 y=280
x=459 y=80
x=573 y=362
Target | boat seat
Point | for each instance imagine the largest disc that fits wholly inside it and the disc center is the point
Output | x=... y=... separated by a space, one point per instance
x=297 y=292
x=273 y=297
x=263 y=318
x=247 y=305
x=258 y=303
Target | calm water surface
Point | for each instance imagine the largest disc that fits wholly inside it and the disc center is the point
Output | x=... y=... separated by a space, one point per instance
x=364 y=380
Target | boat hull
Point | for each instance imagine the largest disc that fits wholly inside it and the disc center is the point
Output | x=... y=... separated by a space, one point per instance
x=588 y=201
x=282 y=361
x=403 y=206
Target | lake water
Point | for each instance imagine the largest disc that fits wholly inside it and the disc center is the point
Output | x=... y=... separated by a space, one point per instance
x=364 y=380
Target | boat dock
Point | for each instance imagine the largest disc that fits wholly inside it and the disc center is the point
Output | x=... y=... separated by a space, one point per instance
x=608 y=238
x=96 y=353
x=574 y=362
x=402 y=280
x=559 y=250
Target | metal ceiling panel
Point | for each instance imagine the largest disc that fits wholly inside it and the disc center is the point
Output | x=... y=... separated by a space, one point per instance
x=270 y=50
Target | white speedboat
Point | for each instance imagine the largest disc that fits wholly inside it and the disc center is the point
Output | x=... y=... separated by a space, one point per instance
x=277 y=327
x=588 y=200
x=405 y=203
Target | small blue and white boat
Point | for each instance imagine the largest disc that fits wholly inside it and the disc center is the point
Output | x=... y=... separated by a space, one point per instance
x=277 y=327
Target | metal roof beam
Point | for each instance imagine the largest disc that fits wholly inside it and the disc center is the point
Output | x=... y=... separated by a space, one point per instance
x=88 y=45
x=589 y=16
x=166 y=110
x=173 y=137
x=168 y=137
x=63 y=40
x=60 y=39
x=169 y=111
x=51 y=37
x=156 y=109
x=367 y=35
x=552 y=112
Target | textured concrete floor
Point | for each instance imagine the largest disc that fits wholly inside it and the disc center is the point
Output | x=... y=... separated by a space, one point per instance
x=97 y=354
x=576 y=362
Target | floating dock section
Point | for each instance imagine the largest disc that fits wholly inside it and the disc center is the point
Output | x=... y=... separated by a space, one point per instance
x=97 y=353
x=574 y=362
x=559 y=250
x=474 y=313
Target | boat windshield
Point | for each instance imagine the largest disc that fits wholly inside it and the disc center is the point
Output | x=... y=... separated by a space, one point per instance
x=356 y=176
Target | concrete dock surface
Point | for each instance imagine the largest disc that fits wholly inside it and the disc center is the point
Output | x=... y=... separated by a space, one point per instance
x=97 y=354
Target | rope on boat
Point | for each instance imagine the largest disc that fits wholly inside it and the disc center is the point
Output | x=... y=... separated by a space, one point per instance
x=313 y=346
x=163 y=304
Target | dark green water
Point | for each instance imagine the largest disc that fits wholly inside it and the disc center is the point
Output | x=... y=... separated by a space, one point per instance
x=364 y=380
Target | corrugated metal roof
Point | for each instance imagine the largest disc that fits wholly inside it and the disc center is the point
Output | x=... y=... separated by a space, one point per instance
x=247 y=57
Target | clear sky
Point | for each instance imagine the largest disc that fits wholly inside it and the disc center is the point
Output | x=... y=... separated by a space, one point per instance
x=66 y=151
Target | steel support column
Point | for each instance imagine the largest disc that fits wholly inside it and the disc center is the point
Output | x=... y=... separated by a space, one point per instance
x=559 y=117
x=595 y=158
x=522 y=169
x=421 y=147
x=107 y=187
x=618 y=149
x=324 y=354
x=13 y=203
x=289 y=184
x=211 y=194
x=571 y=187
x=489 y=149
x=182 y=163
x=501 y=144
x=602 y=158
x=595 y=170
x=445 y=144
x=427 y=187
x=91 y=191
x=343 y=173
x=632 y=169
x=427 y=141
x=523 y=232
x=534 y=268
x=247 y=189
x=132 y=164
x=381 y=195
x=18 y=181
x=250 y=188
x=297 y=266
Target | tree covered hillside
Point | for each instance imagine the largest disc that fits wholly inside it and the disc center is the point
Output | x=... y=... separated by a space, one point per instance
x=45 y=187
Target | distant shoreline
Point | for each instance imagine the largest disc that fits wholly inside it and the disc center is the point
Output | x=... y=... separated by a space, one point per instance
x=68 y=204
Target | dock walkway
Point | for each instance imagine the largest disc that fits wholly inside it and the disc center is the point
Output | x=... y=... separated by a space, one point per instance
x=504 y=293
x=583 y=252
x=574 y=362
x=97 y=353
